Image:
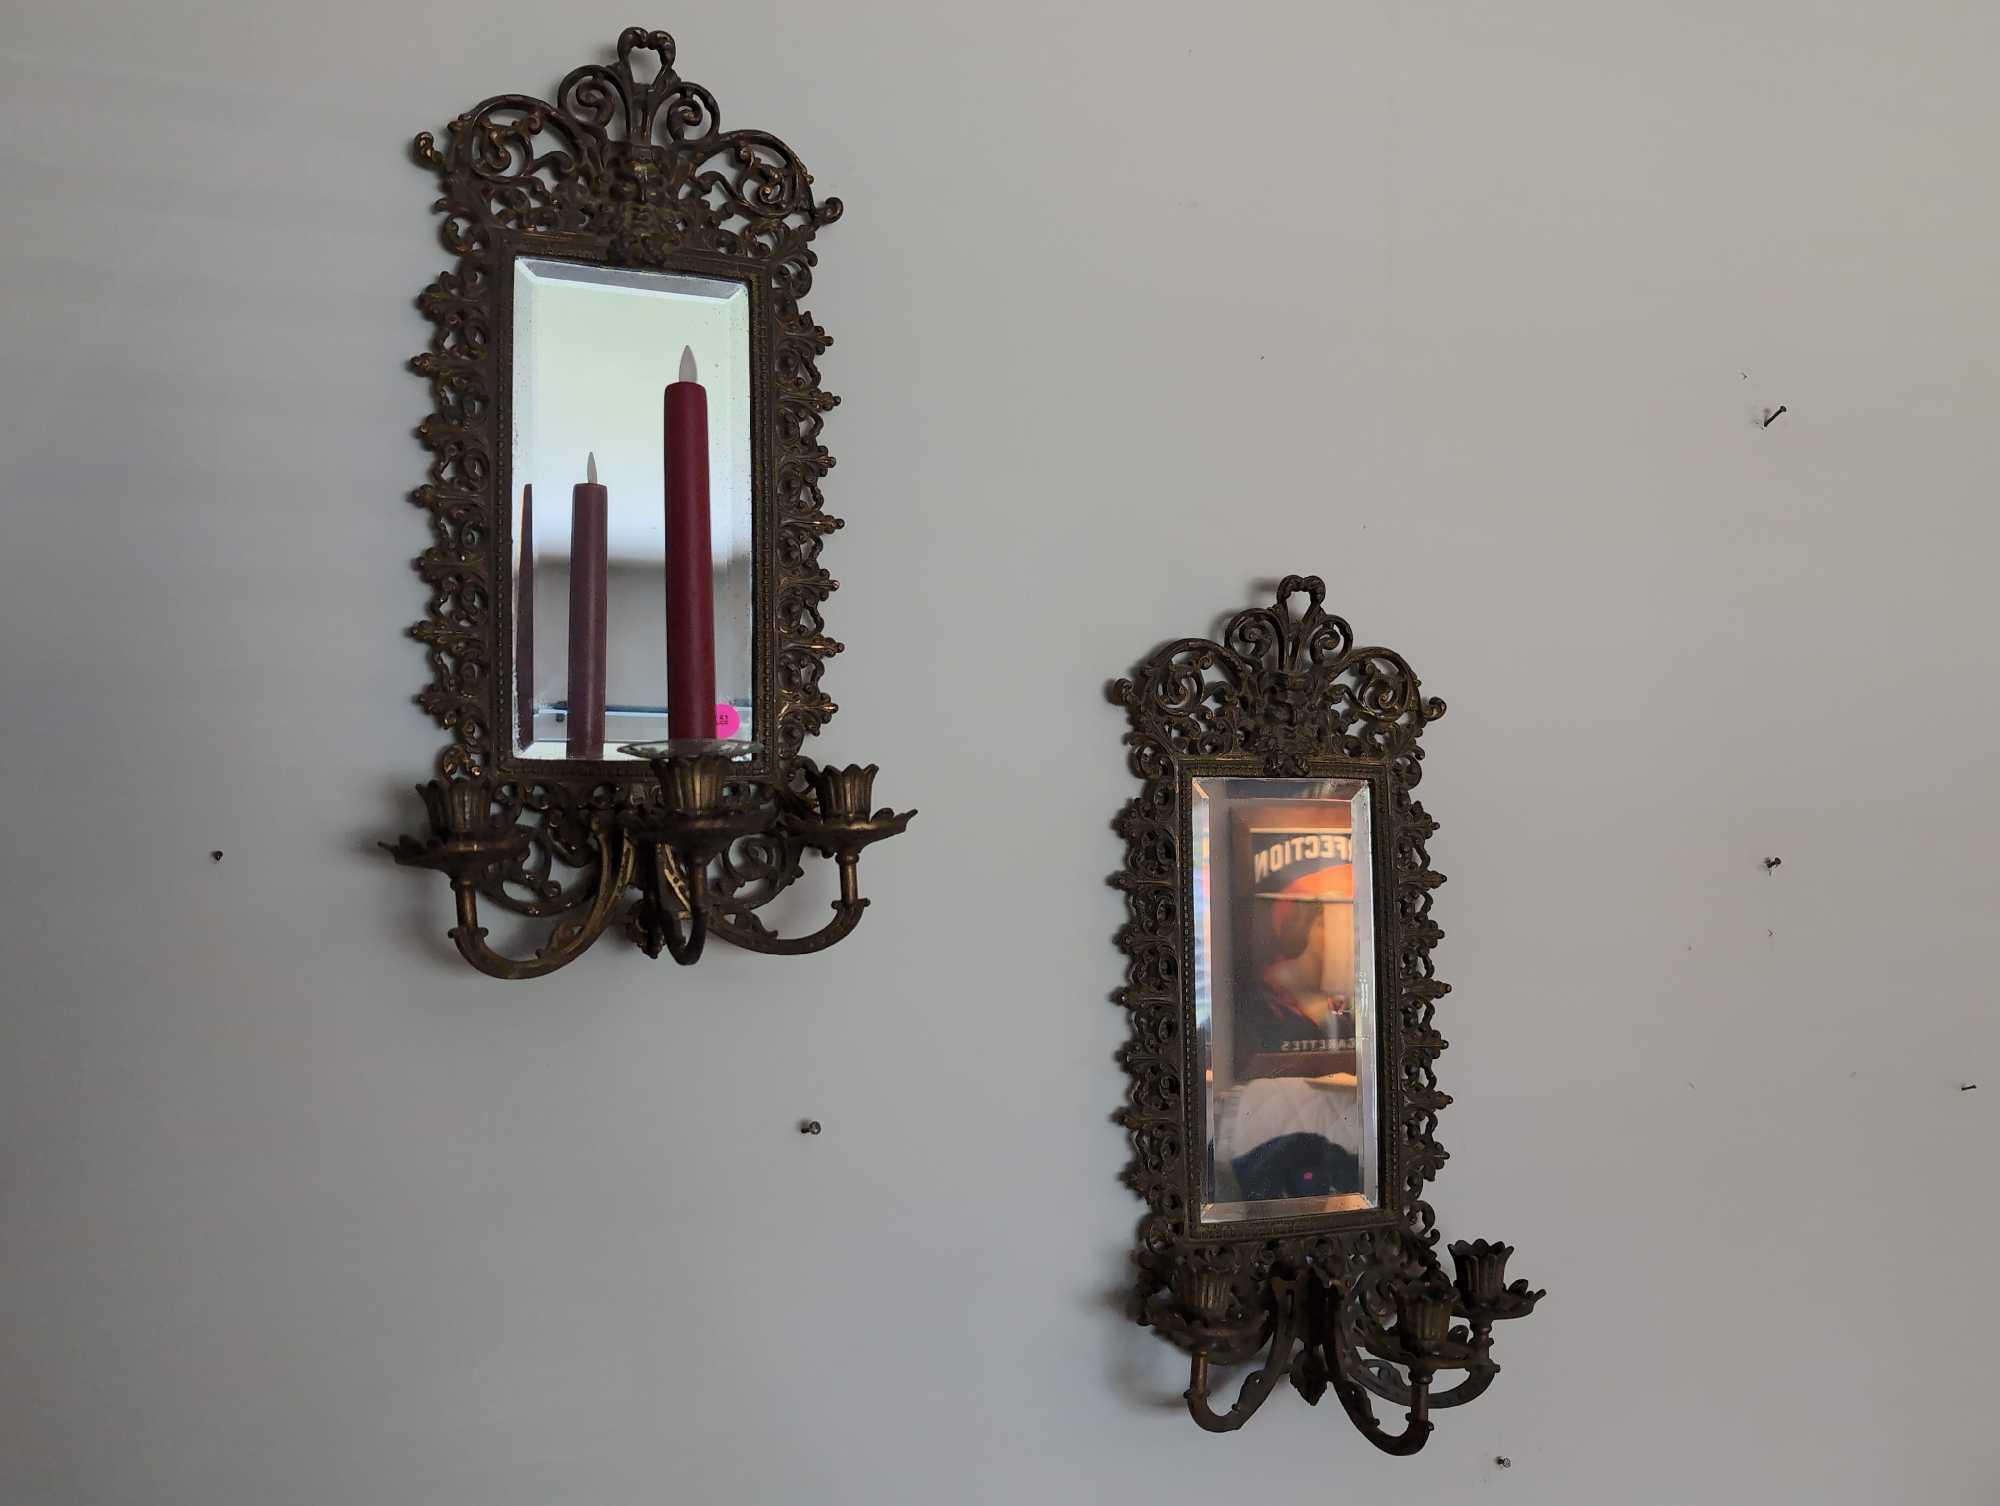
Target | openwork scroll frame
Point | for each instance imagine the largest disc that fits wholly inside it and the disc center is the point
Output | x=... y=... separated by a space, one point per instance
x=1356 y=1301
x=628 y=166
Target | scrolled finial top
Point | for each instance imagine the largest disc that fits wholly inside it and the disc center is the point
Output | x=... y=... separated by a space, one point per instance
x=659 y=43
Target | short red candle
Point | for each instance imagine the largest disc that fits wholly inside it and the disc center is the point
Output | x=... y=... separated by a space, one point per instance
x=690 y=561
x=524 y=624
x=590 y=506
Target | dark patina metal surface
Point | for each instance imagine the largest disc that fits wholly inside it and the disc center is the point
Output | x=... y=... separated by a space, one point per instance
x=1353 y=1301
x=627 y=166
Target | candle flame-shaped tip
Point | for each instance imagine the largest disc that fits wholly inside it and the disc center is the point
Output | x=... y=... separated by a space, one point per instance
x=590 y=469
x=687 y=364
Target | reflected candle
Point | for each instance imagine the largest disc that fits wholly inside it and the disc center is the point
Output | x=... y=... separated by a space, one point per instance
x=690 y=560
x=590 y=507
x=524 y=625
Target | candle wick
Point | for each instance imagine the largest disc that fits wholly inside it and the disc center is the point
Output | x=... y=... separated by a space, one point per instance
x=590 y=470
x=687 y=364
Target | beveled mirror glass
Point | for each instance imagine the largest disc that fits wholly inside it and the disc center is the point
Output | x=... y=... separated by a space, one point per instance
x=594 y=349
x=1284 y=995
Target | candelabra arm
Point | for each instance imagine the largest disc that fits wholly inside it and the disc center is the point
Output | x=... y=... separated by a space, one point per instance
x=685 y=944
x=1385 y=1383
x=569 y=940
x=753 y=935
x=677 y=925
x=1257 y=1386
x=1354 y=1397
x=1417 y=1430
x=1473 y=1386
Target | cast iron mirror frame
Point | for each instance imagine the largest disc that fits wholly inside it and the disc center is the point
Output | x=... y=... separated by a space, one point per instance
x=1356 y=1300
x=630 y=168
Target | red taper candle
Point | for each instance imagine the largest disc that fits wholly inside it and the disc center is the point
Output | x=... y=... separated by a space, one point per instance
x=524 y=624
x=590 y=507
x=690 y=560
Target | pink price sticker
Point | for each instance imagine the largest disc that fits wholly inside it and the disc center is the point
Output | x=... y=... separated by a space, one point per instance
x=726 y=719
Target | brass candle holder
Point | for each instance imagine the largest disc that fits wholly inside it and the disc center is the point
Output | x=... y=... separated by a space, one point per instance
x=663 y=842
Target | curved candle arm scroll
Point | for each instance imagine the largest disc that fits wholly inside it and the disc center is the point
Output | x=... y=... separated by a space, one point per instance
x=1325 y=1331
x=1417 y=1429
x=837 y=825
x=1257 y=1385
x=1347 y=1346
x=568 y=941
x=1385 y=1383
x=753 y=935
x=677 y=924
x=528 y=885
x=1345 y=1366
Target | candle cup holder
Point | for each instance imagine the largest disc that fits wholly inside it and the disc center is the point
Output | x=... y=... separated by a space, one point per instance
x=467 y=836
x=1484 y=1297
x=842 y=825
x=1423 y=1337
x=1201 y=1314
x=835 y=823
x=694 y=822
x=470 y=841
x=694 y=814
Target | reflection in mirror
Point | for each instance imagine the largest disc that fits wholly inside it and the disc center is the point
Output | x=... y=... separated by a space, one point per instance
x=594 y=349
x=1284 y=981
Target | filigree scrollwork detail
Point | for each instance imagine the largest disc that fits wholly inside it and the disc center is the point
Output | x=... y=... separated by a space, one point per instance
x=664 y=844
x=1352 y=1302
x=1286 y=686
x=642 y=162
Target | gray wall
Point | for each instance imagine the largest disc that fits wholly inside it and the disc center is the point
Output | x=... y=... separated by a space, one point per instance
x=1470 y=308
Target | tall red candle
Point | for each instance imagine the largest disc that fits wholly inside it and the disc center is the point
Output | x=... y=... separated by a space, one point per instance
x=524 y=623
x=590 y=507
x=690 y=560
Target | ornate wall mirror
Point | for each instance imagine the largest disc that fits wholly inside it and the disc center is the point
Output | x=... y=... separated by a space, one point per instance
x=625 y=631
x=1283 y=1103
